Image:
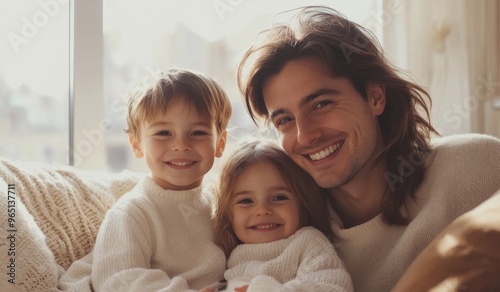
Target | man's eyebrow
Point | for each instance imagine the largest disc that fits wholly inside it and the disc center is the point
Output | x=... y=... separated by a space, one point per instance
x=276 y=113
x=306 y=100
x=317 y=93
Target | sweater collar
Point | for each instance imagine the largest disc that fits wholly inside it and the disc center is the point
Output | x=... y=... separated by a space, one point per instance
x=151 y=189
x=373 y=226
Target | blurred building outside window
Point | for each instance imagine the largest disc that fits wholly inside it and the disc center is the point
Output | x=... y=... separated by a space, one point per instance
x=138 y=39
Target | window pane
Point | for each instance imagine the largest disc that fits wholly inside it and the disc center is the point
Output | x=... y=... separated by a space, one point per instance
x=34 y=80
x=144 y=37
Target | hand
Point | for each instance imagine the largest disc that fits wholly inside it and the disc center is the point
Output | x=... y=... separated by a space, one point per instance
x=241 y=289
x=207 y=289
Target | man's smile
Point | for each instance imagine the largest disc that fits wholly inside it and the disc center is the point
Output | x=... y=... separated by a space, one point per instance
x=326 y=152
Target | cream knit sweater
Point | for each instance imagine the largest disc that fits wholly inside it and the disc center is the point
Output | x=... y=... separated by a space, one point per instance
x=463 y=171
x=305 y=261
x=157 y=240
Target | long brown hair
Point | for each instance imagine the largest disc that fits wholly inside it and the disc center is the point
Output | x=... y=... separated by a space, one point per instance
x=350 y=51
x=249 y=152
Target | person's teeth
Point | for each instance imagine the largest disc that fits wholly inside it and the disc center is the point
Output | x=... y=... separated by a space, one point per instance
x=178 y=163
x=265 y=226
x=325 y=152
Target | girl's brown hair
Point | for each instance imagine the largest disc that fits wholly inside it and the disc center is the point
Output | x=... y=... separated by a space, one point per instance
x=349 y=51
x=249 y=152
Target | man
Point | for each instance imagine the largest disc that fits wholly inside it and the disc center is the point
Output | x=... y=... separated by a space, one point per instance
x=346 y=117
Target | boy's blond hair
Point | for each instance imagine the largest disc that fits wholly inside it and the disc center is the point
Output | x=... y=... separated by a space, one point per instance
x=198 y=90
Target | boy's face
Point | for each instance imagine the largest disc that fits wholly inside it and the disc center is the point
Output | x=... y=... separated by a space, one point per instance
x=179 y=146
x=263 y=208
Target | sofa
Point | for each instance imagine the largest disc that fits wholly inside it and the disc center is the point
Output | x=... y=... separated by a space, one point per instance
x=49 y=217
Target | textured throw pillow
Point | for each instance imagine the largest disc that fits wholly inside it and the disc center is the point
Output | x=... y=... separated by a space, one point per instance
x=67 y=204
x=27 y=262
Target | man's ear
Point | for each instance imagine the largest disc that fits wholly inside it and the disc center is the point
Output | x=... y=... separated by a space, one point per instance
x=376 y=98
x=221 y=144
x=136 y=146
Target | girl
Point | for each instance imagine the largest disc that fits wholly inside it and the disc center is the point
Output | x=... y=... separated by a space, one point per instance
x=267 y=217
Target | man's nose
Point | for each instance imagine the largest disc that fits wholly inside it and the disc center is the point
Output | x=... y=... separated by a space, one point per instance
x=307 y=131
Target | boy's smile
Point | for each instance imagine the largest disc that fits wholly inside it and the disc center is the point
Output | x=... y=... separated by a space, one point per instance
x=179 y=146
x=181 y=163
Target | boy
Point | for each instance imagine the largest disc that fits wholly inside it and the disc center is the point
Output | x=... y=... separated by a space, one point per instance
x=158 y=236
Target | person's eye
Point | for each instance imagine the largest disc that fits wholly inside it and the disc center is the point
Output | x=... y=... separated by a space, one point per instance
x=322 y=104
x=163 y=133
x=282 y=121
x=199 y=133
x=244 y=201
x=280 y=198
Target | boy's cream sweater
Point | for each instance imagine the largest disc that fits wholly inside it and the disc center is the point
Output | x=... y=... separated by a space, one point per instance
x=157 y=240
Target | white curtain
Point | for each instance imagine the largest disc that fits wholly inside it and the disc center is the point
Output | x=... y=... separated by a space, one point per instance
x=484 y=45
x=450 y=47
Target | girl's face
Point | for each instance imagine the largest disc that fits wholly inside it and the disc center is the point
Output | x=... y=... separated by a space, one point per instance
x=263 y=207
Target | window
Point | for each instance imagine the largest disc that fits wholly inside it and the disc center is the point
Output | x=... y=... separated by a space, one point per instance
x=114 y=45
x=142 y=38
x=34 y=80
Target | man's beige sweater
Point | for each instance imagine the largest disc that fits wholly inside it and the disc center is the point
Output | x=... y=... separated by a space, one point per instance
x=463 y=171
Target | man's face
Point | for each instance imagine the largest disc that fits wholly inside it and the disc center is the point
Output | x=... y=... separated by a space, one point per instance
x=323 y=123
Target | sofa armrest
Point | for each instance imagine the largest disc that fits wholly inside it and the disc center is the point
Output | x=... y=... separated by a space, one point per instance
x=27 y=262
x=66 y=203
x=463 y=257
